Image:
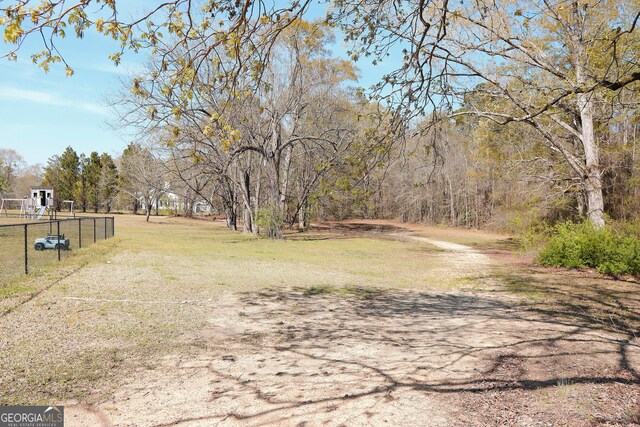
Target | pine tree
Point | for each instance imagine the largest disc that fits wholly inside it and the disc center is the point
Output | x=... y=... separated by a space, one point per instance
x=92 y=174
x=62 y=173
x=108 y=186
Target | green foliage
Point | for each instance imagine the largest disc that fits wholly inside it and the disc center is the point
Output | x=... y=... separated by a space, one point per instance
x=92 y=174
x=62 y=173
x=80 y=185
x=4 y=182
x=271 y=220
x=584 y=245
x=536 y=236
x=92 y=182
x=108 y=181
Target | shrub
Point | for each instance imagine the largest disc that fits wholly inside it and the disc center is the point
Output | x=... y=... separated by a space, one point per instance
x=535 y=236
x=271 y=220
x=583 y=245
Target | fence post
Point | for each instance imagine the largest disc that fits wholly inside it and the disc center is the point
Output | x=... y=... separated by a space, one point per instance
x=105 y=228
x=58 y=223
x=94 y=230
x=79 y=233
x=26 y=253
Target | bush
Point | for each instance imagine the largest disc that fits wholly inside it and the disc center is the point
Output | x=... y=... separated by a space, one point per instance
x=535 y=236
x=271 y=220
x=583 y=245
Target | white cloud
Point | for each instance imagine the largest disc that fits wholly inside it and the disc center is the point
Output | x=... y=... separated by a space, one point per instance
x=39 y=97
x=129 y=69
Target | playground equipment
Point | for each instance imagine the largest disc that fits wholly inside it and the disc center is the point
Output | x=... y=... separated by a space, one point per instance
x=42 y=196
x=40 y=200
x=26 y=207
x=72 y=212
x=15 y=204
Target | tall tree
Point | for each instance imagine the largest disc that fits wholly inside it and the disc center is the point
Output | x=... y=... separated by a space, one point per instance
x=4 y=182
x=108 y=183
x=81 y=186
x=91 y=173
x=268 y=142
x=142 y=175
x=12 y=165
x=62 y=173
x=545 y=64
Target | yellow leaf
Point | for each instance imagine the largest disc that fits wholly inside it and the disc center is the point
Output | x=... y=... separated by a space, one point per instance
x=13 y=32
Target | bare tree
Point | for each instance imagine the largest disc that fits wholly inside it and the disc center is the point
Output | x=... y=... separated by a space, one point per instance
x=544 y=64
x=265 y=144
x=142 y=175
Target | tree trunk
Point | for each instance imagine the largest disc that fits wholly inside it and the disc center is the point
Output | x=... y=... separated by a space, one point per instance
x=247 y=217
x=580 y=199
x=230 y=218
x=592 y=176
x=276 y=220
x=187 y=207
x=284 y=187
x=452 y=206
x=302 y=217
x=256 y=196
x=247 y=223
x=477 y=205
x=229 y=203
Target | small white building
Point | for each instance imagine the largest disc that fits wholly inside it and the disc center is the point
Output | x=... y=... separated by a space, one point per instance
x=42 y=197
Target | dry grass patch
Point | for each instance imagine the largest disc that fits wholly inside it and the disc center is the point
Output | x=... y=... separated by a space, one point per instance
x=119 y=304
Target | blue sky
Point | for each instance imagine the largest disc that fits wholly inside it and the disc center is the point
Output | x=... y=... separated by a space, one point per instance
x=43 y=113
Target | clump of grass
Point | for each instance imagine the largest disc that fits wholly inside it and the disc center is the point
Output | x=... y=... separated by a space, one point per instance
x=15 y=287
x=356 y=291
x=318 y=290
x=522 y=286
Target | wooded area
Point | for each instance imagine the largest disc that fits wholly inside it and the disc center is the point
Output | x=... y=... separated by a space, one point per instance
x=500 y=114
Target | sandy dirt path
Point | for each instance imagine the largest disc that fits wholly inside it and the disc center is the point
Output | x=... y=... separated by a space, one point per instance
x=401 y=358
x=461 y=258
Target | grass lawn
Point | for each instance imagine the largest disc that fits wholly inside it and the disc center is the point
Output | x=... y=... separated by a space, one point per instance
x=184 y=322
x=70 y=347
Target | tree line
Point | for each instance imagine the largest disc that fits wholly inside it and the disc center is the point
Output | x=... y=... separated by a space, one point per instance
x=264 y=151
x=135 y=180
x=500 y=113
x=91 y=182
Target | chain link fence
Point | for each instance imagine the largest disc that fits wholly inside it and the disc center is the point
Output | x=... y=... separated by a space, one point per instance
x=27 y=247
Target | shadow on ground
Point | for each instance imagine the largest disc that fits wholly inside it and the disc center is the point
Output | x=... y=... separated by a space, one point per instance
x=356 y=357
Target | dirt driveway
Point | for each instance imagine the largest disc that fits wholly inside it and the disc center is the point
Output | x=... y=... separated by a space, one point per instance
x=402 y=358
x=525 y=347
